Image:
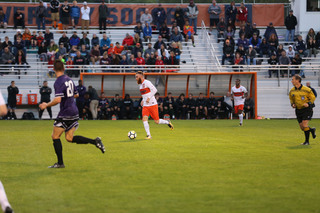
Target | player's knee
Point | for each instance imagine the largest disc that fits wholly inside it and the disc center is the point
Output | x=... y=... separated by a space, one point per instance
x=69 y=138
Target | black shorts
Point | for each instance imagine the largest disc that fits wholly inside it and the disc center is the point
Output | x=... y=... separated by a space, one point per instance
x=66 y=124
x=304 y=114
x=64 y=20
x=12 y=104
x=214 y=21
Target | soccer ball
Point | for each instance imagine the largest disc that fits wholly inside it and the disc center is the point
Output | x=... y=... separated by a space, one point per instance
x=132 y=135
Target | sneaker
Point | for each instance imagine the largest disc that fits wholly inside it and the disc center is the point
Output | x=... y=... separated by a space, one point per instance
x=305 y=143
x=57 y=166
x=170 y=125
x=193 y=45
x=100 y=145
x=313 y=132
x=240 y=124
x=8 y=210
x=148 y=137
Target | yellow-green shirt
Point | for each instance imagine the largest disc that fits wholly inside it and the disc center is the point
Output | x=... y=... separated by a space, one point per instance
x=301 y=95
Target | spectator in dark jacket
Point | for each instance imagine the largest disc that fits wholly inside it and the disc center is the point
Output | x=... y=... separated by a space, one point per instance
x=164 y=31
x=40 y=15
x=3 y=20
x=94 y=102
x=116 y=105
x=54 y=6
x=231 y=12
x=191 y=106
x=176 y=37
x=48 y=36
x=95 y=40
x=297 y=60
x=127 y=105
x=201 y=107
x=168 y=105
x=273 y=60
x=255 y=30
x=228 y=52
x=79 y=61
x=221 y=28
x=65 y=14
x=284 y=60
x=181 y=107
x=138 y=29
x=45 y=93
x=264 y=48
x=255 y=41
x=249 y=107
x=19 y=45
x=301 y=47
x=13 y=91
x=179 y=17
x=103 y=15
x=158 y=44
x=18 y=19
x=159 y=16
x=65 y=40
x=270 y=30
x=80 y=100
x=290 y=22
x=85 y=41
x=312 y=47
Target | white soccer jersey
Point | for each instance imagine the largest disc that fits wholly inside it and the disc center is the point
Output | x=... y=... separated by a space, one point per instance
x=2 y=102
x=238 y=95
x=147 y=90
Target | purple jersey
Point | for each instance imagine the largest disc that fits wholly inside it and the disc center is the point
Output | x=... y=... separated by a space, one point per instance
x=64 y=87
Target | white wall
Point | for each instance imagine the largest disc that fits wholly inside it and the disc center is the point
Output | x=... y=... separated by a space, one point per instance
x=306 y=20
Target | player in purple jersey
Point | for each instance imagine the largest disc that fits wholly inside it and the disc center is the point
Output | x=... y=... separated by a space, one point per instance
x=67 y=120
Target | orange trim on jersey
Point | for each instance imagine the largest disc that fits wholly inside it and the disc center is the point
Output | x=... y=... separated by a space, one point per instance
x=145 y=91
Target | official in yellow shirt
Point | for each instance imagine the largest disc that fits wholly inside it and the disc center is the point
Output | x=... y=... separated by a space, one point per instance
x=302 y=99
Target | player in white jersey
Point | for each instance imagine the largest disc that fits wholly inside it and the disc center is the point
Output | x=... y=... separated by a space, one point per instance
x=149 y=103
x=239 y=94
x=3 y=107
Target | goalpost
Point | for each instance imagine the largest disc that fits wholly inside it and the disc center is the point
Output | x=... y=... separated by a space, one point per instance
x=188 y=83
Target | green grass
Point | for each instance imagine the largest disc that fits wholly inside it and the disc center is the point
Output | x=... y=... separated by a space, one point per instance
x=201 y=166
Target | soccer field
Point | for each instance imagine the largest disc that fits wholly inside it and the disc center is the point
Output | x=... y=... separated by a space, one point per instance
x=201 y=166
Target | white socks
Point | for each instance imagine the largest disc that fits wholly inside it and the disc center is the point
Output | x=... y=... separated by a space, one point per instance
x=146 y=127
x=3 y=198
x=161 y=121
x=241 y=118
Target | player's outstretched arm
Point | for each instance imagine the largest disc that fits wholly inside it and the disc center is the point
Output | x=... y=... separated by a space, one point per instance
x=54 y=102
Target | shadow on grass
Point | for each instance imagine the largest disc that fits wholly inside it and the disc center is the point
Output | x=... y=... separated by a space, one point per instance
x=130 y=141
x=299 y=147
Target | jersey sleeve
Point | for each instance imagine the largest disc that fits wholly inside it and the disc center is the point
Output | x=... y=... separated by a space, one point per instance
x=75 y=91
x=245 y=90
x=59 y=89
x=153 y=89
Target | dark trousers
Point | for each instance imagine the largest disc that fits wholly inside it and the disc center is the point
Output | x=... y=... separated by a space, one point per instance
x=49 y=111
x=19 y=23
x=80 y=106
x=102 y=22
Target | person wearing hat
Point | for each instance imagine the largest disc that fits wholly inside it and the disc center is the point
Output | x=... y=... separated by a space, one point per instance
x=62 y=51
x=54 y=5
x=85 y=16
x=290 y=22
x=270 y=30
x=136 y=49
x=103 y=15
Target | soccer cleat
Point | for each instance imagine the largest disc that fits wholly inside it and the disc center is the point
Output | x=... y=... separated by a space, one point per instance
x=170 y=125
x=148 y=137
x=305 y=143
x=100 y=145
x=8 y=210
x=240 y=124
x=57 y=166
x=313 y=132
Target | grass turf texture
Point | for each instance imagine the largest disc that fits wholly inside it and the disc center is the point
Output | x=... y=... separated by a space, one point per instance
x=201 y=166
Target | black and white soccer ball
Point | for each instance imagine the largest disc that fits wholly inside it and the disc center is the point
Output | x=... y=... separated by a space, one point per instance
x=132 y=135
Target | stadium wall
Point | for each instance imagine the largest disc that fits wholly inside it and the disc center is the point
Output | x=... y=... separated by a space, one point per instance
x=129 y=14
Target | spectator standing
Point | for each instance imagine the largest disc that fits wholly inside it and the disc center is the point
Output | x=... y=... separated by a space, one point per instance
x=45 y=93
x=94 y=102
x=290 y=22
x=214 y=11
x=54 y=6
x=65 y=14
x=40 y=15
x=85 y=16
x=3 y=20
x=242 y=14
x=18 y=19
x=231 y=12
x=179 y=17
x=192 y=14
x=160 y=16
x=80 y=100
x=75 y=15
x=13 y=91
x=146 y=18
x=103 y=15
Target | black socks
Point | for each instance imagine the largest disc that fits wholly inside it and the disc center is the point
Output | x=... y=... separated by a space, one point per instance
x=58 y=149
x=82 y=140
x=307 y=135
